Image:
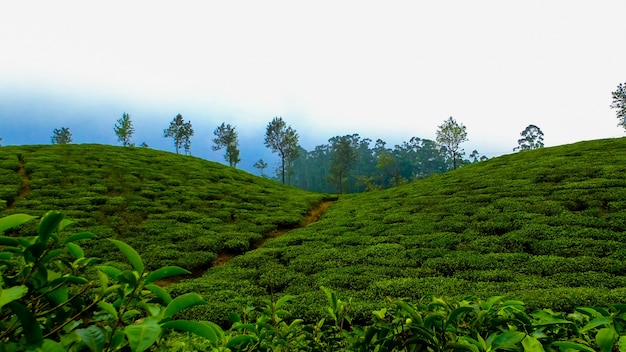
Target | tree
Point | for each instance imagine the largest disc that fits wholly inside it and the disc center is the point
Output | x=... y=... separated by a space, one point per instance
x=619 y=103
x=226 y=137
x=532 y=138
x=124 y=129
x=181 y=132
x=450 y=135
x=62 y=136
x=344 y=156
x=282 y=139
x=261 y=165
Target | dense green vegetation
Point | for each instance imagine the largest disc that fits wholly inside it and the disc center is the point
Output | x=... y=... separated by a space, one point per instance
x=47 y=304
x=546 y=227
x=176 y=210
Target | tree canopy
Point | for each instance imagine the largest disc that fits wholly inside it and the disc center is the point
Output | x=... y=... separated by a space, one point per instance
x=282 y=139
x=124 y=129
x=226 y=137
x=619 y=104
x=532 y=138
x=450 y=135
x=343 y=158
x=181 y=132
x=61 y=136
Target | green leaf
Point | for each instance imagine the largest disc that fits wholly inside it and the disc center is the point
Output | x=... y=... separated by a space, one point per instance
x=110 y=271
x=142 y=336
x=567 y=345
x=590 y=312
x=11 y=294
x=75 y=250
x=80 y=236
x=93 y=337
x=131 y=254
x=462 y=347
x=182 y=302
x=164 y=272
x=52 y=346
x=108 y=308
x=597 y=322
x=8 y=241
x=209 y=331
x=131 y=316
x=59 y=295
x=546 y=318
x=15 y=220
x=127 y=277
x=283 y=300
x=508 y=340
x=240 y=341
x=405 y=307
x=34 y=251
x=531 y=344
x=621 y=344
x=48 y=225
x=30 y=326
x=455 y=313
x=53 y=253
x=159 y=292
x=605 y=338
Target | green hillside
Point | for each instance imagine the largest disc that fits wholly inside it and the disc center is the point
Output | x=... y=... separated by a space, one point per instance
x=546 y=226
x=174 y=209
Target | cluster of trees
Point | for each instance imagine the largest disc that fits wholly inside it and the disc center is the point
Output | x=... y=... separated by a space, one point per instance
x=346 y=163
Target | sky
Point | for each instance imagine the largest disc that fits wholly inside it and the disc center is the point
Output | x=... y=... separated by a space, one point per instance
x=383 y=69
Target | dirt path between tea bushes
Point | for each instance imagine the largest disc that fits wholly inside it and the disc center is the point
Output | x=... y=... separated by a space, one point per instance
x=312 y=216
x=25 y=186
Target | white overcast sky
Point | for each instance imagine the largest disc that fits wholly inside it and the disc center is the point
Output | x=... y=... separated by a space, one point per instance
x=383 y=69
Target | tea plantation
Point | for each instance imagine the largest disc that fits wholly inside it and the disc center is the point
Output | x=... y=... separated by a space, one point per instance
x=176 y=210
x=546 y=227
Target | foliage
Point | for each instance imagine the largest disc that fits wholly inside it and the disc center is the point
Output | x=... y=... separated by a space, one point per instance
x=261 y=165
x=543 y=226
x=226 y=137
x=181 y=132
x=343 y=158
x=167 y=206
x=450 y=135
x=282 y=139
x=47 y=302
x=532 y=138
x=124 y=130
x=619 y=103
x=61 y=136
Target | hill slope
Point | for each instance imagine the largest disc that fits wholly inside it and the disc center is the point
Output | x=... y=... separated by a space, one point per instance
x=545 y=226
x=174 y=209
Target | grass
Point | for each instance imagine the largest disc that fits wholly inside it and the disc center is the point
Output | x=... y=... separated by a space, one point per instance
x=547 y=227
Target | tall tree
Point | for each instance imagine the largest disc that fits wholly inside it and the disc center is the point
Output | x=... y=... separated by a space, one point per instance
x=619 y=103
x=124 y=129
x=532 y=138
x=282 y=139
x=343 y=158
x=62 y=136
x=181 y=132
x=226 y=137
x=450 y=135
x=261 y=165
